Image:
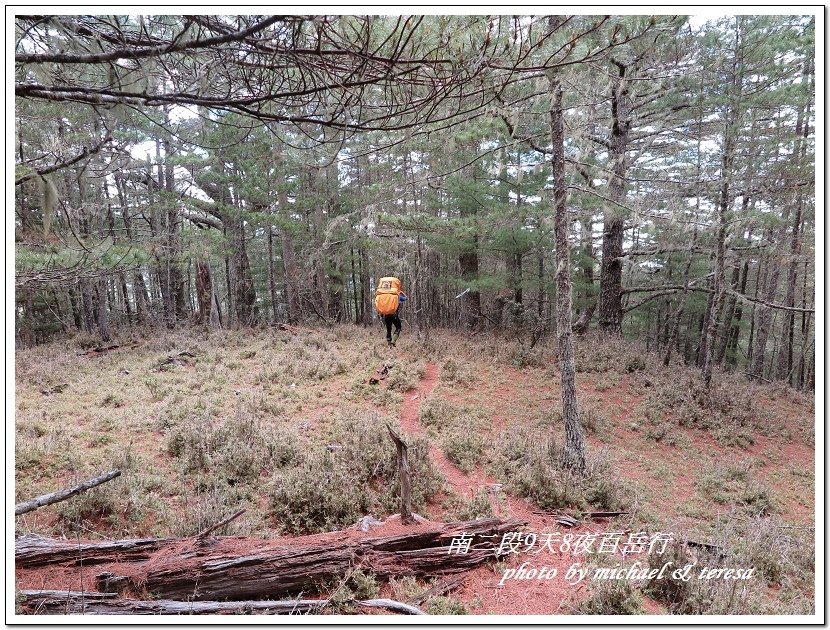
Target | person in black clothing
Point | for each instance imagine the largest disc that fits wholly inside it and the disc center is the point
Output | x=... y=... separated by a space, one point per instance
x=394 y=319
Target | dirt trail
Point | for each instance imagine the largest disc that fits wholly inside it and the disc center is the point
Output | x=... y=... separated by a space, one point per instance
x=482 y=589
x=466 y=485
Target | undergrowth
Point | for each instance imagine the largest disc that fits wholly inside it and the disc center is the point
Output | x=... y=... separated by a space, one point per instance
x=355 y=473
x=533 y=465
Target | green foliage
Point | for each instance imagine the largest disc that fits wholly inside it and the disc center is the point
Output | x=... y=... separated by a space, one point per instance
x=363 y=585
x=460 y=430
x=779 y=556
x=727 y=408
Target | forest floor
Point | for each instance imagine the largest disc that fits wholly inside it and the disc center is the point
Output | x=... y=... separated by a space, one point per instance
x=282 y=423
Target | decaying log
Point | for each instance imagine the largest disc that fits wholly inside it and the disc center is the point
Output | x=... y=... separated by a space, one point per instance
x=715 y=549
x=292 y=569
x=569 y=521
x=179 y=359
x=181 y=569
x=74 y=602
x=108 y=582
x=31 y=550
x=62 y=495
x=390 y=604
x=63 y=603
x=603 y=514
x=55 y=389
x=406 y=479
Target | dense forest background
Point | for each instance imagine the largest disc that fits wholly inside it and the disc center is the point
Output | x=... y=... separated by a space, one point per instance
x=243 y=171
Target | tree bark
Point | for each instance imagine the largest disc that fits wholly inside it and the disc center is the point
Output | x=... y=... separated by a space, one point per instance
x=610 y=311
x=172 y=570
x=103 y=311
x=574 y=438
x=367 y=307
x=204 y=291
x=406 y=479
x=802 y=129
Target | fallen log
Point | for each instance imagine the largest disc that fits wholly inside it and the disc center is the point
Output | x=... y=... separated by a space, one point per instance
x=220 y=524
x=62 y=495
x=74 y=602
x=31 y=550
x=302 y=568
x=390 y=604
x=180 y=569
x=94 y=352
x=55 y=389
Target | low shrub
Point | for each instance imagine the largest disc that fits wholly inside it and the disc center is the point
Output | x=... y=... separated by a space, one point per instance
x=534 y=467
x=611 y=597
x=445 y=606
x=461 y=430
x=241 y=447
x=728 y=408
x=477 y=506
x=355 y=474
x=733 y=484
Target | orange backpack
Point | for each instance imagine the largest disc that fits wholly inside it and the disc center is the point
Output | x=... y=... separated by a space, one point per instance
x=386 y=296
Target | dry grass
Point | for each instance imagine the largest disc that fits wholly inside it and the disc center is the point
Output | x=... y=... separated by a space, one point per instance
x=200 y=439
x=246 y=423
x=532 y=464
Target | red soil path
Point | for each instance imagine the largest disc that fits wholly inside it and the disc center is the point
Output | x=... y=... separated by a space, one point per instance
x=482 y=591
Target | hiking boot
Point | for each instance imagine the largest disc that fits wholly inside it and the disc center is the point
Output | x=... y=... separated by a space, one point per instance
x=394 y=338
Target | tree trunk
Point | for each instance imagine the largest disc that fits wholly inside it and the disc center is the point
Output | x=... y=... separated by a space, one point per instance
x=610 y=311
x=204 y=292
x=88 y=304
x=468 y=262
x=802 y=129
x=574 y=438
x=406 y=478
x=44 y=602
x=272 y=276
x=719 y=281
x=368 y=309
x=178 y=293
x=103 y=312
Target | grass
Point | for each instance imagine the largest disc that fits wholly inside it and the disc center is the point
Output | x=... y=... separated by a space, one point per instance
x=734 y=484
x=611 y=598
x=460 y=430
x=480 y=505
x=781 y=558
x=286 y=426
x=532 y=464
x=354 y=474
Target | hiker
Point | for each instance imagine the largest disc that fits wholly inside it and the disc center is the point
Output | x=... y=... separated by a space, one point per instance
x=388 y=298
